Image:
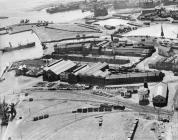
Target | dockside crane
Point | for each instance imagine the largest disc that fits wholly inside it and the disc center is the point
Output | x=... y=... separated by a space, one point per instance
x=162 y=32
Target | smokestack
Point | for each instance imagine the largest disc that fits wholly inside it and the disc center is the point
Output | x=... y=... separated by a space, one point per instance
x=111 y=37
x=145 y=85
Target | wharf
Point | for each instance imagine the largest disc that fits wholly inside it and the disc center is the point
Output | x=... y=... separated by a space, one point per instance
x=56 y=32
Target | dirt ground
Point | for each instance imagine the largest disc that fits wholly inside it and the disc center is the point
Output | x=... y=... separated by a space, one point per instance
x=62 y=121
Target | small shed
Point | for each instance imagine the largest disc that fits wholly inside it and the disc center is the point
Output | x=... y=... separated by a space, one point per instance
x=160 y=96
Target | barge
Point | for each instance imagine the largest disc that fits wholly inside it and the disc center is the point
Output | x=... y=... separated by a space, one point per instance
x=63 y=8
x=3 y=17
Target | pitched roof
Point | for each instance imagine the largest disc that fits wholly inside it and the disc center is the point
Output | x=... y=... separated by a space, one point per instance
x=61 y=66
x=161 y=90
x=95 y=70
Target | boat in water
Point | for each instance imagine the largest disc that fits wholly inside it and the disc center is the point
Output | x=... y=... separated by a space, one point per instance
x=3 y=17
x=9 y=49
x=63 y=8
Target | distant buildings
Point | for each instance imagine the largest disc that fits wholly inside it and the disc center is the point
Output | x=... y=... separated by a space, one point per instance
x=158 y=14
x=100 y=11
x=108 y=48
x=168 y=63
x=168 y=48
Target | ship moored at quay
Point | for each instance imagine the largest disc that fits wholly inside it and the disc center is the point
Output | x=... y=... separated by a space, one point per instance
x=19 y=47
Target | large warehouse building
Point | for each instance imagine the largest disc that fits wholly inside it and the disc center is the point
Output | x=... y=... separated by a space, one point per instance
x=59 y=70
x=95 y=74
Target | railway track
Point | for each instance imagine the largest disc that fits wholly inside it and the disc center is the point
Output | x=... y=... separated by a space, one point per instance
x=134 y=106
x=46 y=134
x=67 y=122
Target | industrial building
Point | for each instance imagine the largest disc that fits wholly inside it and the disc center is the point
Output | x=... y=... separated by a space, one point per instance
x=96 y=74
x=168 y=49
x=160 y=96
x=106 y=47
x=58 y=70
x=158 y=13
x=134 y=77
x=99 y=74
x=147 y=4
x=166 y=63
x=170 y=2
x=93 y=58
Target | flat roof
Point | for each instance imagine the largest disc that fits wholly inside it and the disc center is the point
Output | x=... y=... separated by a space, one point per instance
x=132 y=75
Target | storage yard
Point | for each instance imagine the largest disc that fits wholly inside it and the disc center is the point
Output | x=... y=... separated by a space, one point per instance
x=92 y=80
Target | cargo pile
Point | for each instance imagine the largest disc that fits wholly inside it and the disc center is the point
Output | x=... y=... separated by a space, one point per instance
x=60 y=86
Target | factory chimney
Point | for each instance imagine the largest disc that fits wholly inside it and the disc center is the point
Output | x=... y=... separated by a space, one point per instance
x=162 y=33
x=145 y=85
x=111 y=37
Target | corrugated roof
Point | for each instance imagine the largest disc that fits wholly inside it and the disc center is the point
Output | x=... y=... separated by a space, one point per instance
x=170 y=59
x=162 y=59
x=81 y=70
x=97 y=73
x=94 y=70
x=68 y=65
x=87 y=70
x=55 y=62
x=54 y=65
x=60 y=67
x=161 y=90
x=97 y=68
